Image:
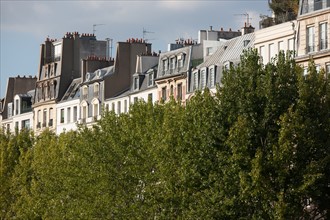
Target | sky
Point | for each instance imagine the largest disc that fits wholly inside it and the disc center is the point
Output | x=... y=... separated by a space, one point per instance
x=25 y=24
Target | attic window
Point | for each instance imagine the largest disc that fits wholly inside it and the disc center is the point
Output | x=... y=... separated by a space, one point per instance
x=136 y=83
x=150 y=79
x=246 y=42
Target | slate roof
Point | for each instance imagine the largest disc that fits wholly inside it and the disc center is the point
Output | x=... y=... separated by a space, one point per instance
x=145 y=79
x=99 y=74
x=184 y=50
x=73 y=91
x=229 y=51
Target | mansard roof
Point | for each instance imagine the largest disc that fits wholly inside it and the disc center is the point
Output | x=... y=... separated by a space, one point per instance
x=231 y=51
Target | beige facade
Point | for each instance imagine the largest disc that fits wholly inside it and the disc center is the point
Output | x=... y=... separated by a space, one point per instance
x=313 y=34
x=269 y=41
x=175 y=86
x=60 y=63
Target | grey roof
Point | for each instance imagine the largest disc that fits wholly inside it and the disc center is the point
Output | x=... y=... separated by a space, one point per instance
x=229 y=51
x=73 y=90
x=145 y=79
x=99 y=74
x=184 y=50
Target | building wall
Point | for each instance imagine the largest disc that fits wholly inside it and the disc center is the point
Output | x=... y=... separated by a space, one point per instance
x=118 y=105
x=321 y=56
x=144 y=95
x=71 y=114
x=269 y=41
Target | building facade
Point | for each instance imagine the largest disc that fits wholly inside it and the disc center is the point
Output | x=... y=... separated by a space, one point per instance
x=60 y=63
x=313 y=33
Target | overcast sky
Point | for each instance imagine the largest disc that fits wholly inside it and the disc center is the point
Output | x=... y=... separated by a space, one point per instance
x=26 y=24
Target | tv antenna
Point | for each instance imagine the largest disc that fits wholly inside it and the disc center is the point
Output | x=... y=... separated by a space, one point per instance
x=94 y=27
x=145 y=32
x=247 y=18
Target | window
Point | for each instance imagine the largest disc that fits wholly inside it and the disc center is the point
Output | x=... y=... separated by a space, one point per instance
x=44 y=122
x=84 y=112
x=75 y=111
x=164 y=93
x=262 y=53
x=68 y=115
x=62 y=116
x=171 y=90
x=291 y=44
x=39 y=119
x=58 y=50
x=212 y=77
x=125 y=106
x=50 y=123
x=136 y=83
x=165 y=66
x=203 y=79
x=16 y=125
x=113 y=107
x=136 y=99
x=85 y=92
x=150 y=97
x=150 y=79
x=118 y=107
x=209 y=51
x=96 y=90
x=173 y=64
x=16 y=106
x=26 y=123
x=10 y=110
x=271 y=52
x=310 y=39
x=327 y=70
x=181 y=60
x=195 y=84
x=95 y=109
x=317 y=4
x=323 y=36
x=280 y=46
x=179 y=94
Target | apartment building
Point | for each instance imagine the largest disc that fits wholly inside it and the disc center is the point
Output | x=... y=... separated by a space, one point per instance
x=60 y=63
x=16 y=106
x=209 y=73
x=313 y=33
x=271 y=40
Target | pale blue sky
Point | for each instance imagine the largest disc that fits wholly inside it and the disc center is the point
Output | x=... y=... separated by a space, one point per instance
x=26 y=24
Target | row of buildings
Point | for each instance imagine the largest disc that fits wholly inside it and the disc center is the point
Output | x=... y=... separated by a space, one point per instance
x=76 y=80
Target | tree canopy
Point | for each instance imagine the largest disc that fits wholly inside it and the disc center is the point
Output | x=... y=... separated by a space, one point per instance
x=257 y=149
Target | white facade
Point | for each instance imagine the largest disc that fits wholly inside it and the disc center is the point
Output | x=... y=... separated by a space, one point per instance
x=119 y=104
x=145 y=95
x=269 y=41
x=68 y=115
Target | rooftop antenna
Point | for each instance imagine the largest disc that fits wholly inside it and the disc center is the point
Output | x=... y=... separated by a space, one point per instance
x=145 y=32
x=247 y=18
x=94 y=27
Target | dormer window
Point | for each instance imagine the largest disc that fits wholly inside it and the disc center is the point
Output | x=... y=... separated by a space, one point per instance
x=195 y=82
x=173 y=64
x=136 y=83
x=150 y=79
x=181 y=59
x=85 y=92
x=212 y=76
x=96 y=90
x=227 y=65
x=164 y=65
x=10 y=110
x=203 y=78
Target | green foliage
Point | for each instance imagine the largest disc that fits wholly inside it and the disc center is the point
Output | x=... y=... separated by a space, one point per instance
x=258 y=149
